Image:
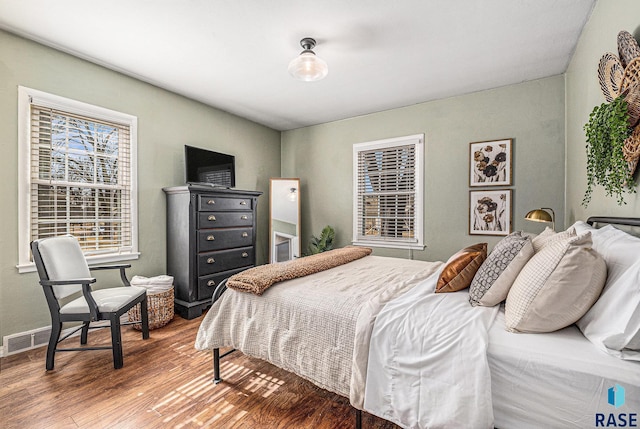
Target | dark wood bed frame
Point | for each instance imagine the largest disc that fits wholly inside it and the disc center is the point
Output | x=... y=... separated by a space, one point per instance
x=222 y=286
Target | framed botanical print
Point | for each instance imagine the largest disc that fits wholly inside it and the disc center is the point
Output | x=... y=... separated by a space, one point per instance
x=490 y=163
x=490 y=212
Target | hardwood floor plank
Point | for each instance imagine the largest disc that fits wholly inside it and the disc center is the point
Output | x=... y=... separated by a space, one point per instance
x=165 y=382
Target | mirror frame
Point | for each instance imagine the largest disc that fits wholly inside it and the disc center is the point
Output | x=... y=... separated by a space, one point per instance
x=274 y=180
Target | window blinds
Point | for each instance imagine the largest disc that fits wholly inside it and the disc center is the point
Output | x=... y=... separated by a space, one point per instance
x=80 y=180
x=386 y=193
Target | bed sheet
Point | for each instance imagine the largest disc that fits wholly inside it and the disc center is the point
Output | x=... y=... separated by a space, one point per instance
x=428 y=363
x=317 y=326
x=555 y=380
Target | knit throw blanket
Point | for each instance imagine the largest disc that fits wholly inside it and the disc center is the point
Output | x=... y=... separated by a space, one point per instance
x=257 y=279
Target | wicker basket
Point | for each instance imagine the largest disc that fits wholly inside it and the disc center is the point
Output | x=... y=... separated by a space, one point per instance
x=160 y=307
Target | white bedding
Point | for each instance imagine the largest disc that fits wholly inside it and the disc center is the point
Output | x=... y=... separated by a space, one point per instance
x=555 y=380
x=317 y=326
x=427 y=361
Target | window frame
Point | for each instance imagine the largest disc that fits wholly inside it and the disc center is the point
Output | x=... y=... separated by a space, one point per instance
x=28 y=96
x=417 y=140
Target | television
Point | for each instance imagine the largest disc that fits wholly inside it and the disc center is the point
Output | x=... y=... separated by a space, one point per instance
x=206 y=166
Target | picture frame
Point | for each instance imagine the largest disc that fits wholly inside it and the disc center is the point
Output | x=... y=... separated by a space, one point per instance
x=490 y=212
x=490 y=163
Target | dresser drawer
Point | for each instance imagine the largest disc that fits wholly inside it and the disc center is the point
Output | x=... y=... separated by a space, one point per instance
x=214 y=203
x=223 y=260
x=216 y=239
x=207 y=284
x=224 y=219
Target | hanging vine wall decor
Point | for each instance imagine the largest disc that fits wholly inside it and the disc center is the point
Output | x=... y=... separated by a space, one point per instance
x=613 y=131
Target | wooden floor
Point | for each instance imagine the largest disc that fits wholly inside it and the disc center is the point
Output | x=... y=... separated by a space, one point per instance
x=165 y=382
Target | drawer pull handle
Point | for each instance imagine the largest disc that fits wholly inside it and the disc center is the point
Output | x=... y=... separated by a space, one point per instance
x=211 y=283
x=211 y=202
x=211 y=261
x=244 y=217
x=244 y=234
x=210 y=238
x=245 y=255
x=212 y=218
x=243 y=203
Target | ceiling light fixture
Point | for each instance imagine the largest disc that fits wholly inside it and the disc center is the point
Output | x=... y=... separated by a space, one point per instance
x=308 y=66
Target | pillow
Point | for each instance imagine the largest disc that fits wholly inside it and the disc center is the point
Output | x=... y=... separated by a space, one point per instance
x=459 y=270
x=556 y=287
x=549 y=235
x=613 y=323
x=540 y=239
x=493 y=280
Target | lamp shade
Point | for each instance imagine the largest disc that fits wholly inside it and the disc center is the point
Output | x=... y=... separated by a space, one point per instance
x=308 y=66
x=541 y=215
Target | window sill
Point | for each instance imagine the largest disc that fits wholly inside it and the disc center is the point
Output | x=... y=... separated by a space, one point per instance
x=91 y=260
x=389 y=245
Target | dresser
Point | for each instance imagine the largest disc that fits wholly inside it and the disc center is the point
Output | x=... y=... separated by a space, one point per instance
x=211 y=235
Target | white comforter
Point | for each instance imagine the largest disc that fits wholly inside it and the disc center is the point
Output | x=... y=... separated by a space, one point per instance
x=428 y=363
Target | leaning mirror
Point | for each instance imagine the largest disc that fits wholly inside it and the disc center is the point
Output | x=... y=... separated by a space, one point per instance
x=284 y=219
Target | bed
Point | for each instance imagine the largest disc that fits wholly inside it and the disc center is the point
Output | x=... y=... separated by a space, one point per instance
x=374 y=331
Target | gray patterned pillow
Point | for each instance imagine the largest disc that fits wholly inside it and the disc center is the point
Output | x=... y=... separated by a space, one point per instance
x=493 y=280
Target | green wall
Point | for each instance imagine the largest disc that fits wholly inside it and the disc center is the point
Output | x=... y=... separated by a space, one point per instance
x=583 y=94
x=531 y=113
x=166 y=122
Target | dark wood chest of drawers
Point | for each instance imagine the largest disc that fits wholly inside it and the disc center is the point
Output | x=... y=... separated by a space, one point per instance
x=211 y=235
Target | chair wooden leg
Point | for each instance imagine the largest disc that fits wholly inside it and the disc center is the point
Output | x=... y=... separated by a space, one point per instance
x=116 y=341
x=84 y=333
x=144 y=315
x=56 y=328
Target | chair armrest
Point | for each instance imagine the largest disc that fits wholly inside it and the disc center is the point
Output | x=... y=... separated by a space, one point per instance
x=121 y=267
x=110 y=267
x=84 y=281
x=86 y=291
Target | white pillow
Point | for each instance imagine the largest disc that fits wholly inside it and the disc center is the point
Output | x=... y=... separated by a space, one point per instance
x=613 y=323
x=556 y=287
x=549 y=236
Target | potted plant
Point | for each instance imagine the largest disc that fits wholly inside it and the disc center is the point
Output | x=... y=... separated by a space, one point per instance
x=607 y=129
x=322 y=243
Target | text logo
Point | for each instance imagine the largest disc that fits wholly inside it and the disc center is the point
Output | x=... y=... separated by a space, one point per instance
x=616 y=396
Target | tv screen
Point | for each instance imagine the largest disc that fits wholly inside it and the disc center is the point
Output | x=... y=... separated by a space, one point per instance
x=206 y=166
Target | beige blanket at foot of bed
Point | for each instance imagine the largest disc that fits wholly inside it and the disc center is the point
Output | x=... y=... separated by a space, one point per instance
x=258 y=279
x=317 y=326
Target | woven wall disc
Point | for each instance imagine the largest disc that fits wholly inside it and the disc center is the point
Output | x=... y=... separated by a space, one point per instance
x=631 y=150
x=610 y=73
x=627 y=47
x=631 y=75
x=632 y=97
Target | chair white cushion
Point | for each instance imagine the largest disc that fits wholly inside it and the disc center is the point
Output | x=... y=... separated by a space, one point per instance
x=64 y=260
x=108 y=300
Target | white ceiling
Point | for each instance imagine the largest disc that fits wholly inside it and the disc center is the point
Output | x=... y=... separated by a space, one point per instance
x=382 y=54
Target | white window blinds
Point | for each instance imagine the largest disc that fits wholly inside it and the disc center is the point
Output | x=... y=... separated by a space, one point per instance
x=388 y=192
x=80 y=184
x=78 y=173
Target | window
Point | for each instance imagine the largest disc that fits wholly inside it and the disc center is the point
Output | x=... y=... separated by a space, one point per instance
x=388 y=192
x=77 y=176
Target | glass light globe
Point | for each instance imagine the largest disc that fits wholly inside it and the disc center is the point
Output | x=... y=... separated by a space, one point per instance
x=308 y=67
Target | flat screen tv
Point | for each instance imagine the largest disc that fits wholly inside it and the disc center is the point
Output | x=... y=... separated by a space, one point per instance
x=206 y=166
